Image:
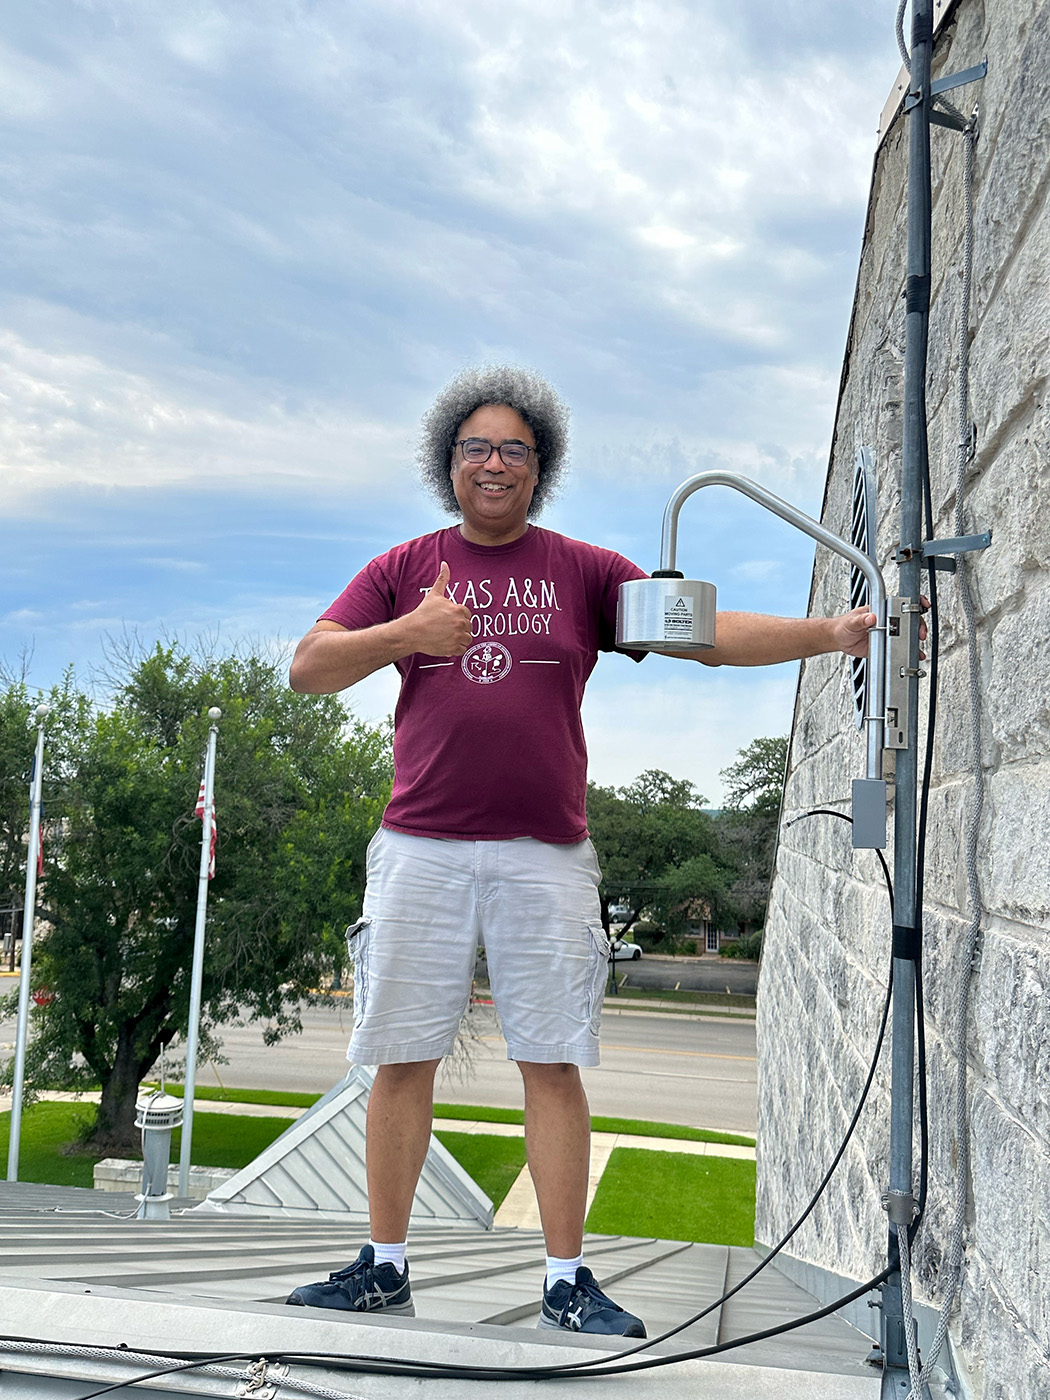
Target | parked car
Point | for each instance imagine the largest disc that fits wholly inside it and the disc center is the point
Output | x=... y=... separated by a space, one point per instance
x=623 y=949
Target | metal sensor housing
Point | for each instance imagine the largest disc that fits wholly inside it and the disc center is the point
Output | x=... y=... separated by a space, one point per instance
x=665 y=614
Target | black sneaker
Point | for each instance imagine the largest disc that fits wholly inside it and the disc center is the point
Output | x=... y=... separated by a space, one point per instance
x=583 y=1307
x=363 y=1286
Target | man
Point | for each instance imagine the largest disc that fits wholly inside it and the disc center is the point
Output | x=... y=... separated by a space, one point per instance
x=495 y=626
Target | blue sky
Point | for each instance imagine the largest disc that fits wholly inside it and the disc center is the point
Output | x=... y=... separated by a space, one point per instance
x=243 y=246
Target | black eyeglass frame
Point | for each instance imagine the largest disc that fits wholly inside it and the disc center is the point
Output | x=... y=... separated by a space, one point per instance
x=480 y=461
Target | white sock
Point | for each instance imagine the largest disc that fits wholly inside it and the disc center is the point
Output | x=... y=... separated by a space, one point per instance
x=391 y=1254
x=562 y=1269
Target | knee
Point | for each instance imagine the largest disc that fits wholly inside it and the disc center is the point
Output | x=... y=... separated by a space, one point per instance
x=550 y=1080
x=406 y=1078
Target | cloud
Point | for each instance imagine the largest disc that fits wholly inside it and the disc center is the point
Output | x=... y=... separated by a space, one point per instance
x=245 y=244
x=72 y=420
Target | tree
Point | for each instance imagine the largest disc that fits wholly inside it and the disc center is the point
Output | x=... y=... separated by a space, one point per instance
x=749 y=822
x=299 y=790
x=658 y=850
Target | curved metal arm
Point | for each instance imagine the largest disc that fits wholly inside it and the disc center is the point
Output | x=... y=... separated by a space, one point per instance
x=875 y=717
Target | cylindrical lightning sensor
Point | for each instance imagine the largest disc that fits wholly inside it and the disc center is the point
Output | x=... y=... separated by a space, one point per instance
x=665 y=613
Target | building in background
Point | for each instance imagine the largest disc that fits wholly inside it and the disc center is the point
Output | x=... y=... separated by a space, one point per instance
x=827 y=940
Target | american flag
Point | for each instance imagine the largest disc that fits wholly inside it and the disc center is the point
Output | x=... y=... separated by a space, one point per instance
x=199 y=812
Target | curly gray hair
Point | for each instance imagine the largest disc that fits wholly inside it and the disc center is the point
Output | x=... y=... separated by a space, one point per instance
x=520 y=389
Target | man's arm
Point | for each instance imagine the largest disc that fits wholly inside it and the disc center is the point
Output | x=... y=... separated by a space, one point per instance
x=331 y=657
x=754 y=639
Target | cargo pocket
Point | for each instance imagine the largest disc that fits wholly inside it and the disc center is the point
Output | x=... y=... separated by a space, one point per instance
x=357 y=946
x=599 y=972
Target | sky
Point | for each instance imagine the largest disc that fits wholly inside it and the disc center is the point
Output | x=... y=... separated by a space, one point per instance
x=243 y=246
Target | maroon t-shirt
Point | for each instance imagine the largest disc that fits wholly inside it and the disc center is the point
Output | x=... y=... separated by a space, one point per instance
x=489 y=746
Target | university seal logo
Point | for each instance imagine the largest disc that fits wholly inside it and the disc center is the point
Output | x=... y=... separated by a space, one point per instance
x=486 y=663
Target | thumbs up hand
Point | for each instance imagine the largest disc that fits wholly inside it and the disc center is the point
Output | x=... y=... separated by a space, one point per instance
x=440 y=627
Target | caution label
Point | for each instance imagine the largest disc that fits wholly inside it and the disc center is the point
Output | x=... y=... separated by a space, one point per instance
x=678 y=619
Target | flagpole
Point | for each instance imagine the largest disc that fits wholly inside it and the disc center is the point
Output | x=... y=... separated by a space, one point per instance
x=207 y=820
x=28 y=919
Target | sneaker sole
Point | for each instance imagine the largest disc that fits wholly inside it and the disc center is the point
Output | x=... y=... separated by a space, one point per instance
x=393 y=1310
x=572 y=1331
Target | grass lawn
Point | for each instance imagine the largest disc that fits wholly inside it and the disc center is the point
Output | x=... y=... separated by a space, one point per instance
x=643 y=1192
x=222 y=1140
x=275 y=1098
x=638 y=1127
x=477 y=1113
x=675 y=1197
x=219 y=1140
x=493 y=1162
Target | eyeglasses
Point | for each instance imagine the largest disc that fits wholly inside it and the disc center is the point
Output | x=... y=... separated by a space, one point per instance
x=478 y=450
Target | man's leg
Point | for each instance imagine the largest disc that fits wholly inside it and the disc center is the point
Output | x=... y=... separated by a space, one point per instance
x=400 y=1116
x=558 y=1144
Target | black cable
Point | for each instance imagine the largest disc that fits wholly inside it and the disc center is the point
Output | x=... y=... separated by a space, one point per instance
x=372 y=1366
x=845 y=817
x=496 y=1373
x=167 y=1371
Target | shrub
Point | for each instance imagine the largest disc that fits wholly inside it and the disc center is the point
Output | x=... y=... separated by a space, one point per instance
x=749 y=948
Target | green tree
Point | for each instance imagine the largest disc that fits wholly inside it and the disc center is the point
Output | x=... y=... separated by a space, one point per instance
x=299 y=790
x=749 y=821
x=659 y=851
x=18 y=731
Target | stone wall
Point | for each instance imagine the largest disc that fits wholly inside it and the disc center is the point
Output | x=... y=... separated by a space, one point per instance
x=827 y=945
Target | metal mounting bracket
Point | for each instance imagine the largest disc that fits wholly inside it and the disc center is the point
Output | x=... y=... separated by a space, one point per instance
x=898 y=704
x=960 y=79
x=946 y=84
x=938 y=117
x=959 y=544
x=936 y=554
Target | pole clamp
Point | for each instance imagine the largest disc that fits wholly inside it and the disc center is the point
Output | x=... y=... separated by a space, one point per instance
x=899 y=1206
x=917 y=293
x=907 y=942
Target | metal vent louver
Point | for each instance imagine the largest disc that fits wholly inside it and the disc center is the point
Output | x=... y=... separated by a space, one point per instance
x=862 y=536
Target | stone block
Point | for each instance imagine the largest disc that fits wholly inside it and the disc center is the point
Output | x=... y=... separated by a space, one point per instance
x=949 y=813
x=1011 y=1170
x=953 y=756
x=1011 y=1012
x=996 y=500
x=1017 y=698
x=1015 y=852
x=116 y=1174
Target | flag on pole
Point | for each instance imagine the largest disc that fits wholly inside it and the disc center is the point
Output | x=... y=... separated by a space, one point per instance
x=199 y=812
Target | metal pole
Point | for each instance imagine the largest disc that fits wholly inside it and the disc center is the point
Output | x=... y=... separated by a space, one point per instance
x=874 y=720
x=906 y=915
x=214 y=714
x=28 y=917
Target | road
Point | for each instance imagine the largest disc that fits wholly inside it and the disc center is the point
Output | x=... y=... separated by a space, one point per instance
x=670 y=1068
x=667 y=1067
